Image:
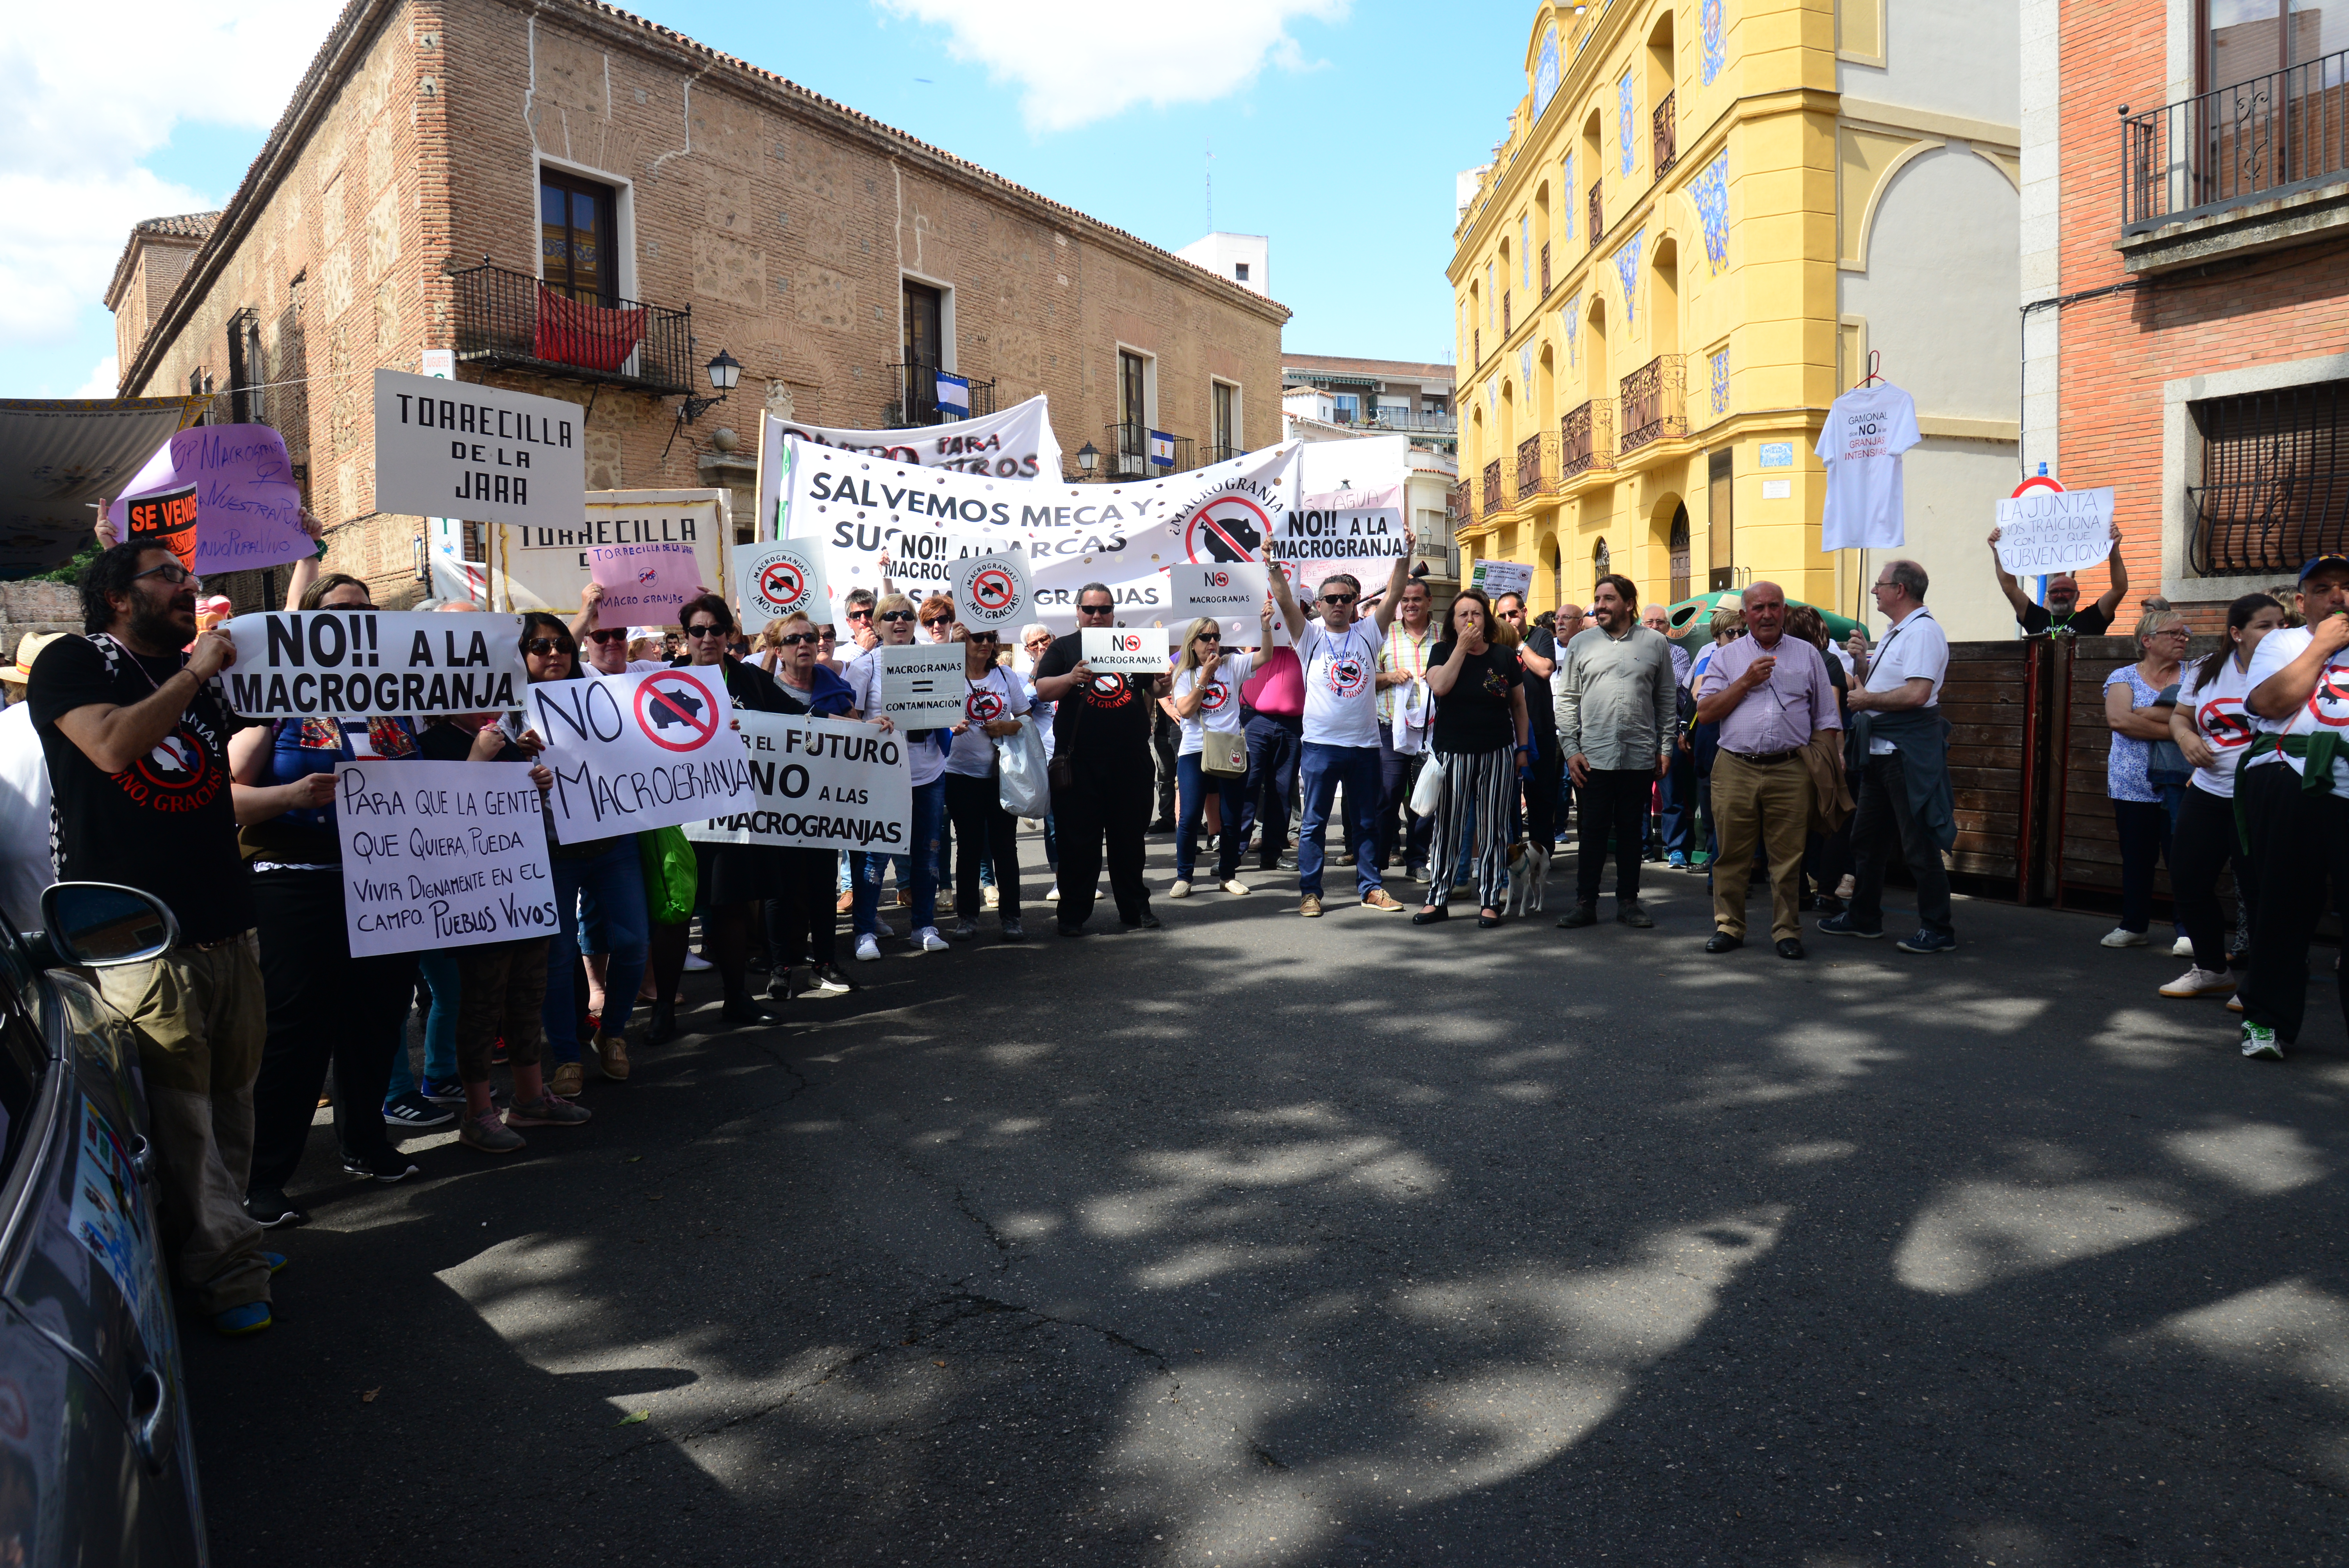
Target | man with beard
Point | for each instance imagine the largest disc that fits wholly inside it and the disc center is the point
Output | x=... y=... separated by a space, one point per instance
x=1617 y=716
x=136 y=736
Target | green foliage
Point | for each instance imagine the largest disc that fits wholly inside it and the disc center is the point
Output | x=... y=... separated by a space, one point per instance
x=70 y=573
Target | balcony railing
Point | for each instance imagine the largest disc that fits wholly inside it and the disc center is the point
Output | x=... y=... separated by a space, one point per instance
x=916 y=400
x=1655 y=402
x=1211 y=454
x=2275 y=480
x=1476 y=344
x=1585 y=440
x=1407 y=420
x=1597 y=213
x=2254 y=141
x=1126 y=453
x=1545 y=269
x=1537 y=471
x=510 y=321
x=1666 y=135
x=1460 y=503
x=1488 y=491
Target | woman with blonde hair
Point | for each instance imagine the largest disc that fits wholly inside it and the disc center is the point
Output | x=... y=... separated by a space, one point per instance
x=2135 y=713
x=1481 y=738
x=925 y=750
x=1206 y=697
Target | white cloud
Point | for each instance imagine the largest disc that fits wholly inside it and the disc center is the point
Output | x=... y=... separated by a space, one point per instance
x=84 y=104
x=1080 y=61
x=105 y=379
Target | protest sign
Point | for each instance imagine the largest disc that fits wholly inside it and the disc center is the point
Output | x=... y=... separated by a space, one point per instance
x=652 y=749
x=1017 y=444
x=1125 y=650
x=367 y=664
x=644 y=584
x=1122 y=535
x=1499 y=577
x=922 y=684
x=1232 y=596
x=230 y=487
x=923 y=562
x=1356 y=532
x=487 y=454
x=822 y=784
x=441 y=854
x=785 y=578
x=2044 y=531
x=546 y=567
x=992 y=590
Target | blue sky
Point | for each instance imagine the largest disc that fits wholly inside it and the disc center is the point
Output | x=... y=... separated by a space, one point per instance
x=1337 y=128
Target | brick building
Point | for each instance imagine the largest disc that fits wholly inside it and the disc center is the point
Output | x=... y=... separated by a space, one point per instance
x=2186 y=285
x=581 y=203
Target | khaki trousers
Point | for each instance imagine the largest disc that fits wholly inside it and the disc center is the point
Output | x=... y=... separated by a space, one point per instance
x=201 y=1019
x=1770 y=801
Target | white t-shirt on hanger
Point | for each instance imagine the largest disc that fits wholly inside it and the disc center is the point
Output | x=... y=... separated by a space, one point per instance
x=1866 y=430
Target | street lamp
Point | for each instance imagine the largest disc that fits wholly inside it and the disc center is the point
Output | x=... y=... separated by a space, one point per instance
x=1087 y=457
x=724 y=371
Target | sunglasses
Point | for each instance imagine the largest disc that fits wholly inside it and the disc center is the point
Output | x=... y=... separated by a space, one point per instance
x=542 y=646
x=793 y=639
x=1339 y=598
x=1096 y=609
x=896 y=614
x=939 y=620
x=700 y=632
x=608 y=637
x=860 y=614
x=170 y=572
x=1208 y=637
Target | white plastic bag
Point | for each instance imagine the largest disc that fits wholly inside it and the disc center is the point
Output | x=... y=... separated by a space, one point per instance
x=1025 y=790
x=1427 y=795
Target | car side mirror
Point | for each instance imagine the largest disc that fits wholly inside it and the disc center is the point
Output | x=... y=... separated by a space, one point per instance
x=96 y=924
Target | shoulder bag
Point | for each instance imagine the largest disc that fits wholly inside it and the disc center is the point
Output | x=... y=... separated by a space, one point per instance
x=1222 y=754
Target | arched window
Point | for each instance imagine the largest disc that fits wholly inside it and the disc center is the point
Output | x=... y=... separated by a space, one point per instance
x=1680 y=552
x=1600 y=564
x=1556 y=575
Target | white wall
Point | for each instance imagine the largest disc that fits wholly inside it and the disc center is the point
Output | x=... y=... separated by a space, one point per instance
x=1951 y=488
x=1944 y=270
x=1222 y=254
x=1953 y=56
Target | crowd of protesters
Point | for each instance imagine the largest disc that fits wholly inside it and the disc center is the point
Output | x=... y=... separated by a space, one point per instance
x=1457 y=748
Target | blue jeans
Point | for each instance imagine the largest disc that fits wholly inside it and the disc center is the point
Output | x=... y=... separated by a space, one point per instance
x=1680 y=804
x=1192 y=782
x=1272 y=746
x=929 y=819
x=439 y=968
x=612 y=885
x=1323 y=768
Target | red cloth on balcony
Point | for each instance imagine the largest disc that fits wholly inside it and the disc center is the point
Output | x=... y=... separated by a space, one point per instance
x=591 y=337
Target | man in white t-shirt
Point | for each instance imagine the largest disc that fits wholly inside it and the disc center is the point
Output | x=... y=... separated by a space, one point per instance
x=1904 y=792
x=1340 y=658
x=2292 y=800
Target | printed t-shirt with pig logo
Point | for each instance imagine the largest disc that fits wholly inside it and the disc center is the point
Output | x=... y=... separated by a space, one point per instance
x=1342 y=668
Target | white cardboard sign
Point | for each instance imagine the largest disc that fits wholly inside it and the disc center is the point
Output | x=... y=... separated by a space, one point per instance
x=486 y=454
x=1126 y=650
x=784 y=578
x=363 y=664
x=2044 y=531
x=441 y=854
x=544 y=567
x=1499 y=577
x=822 y=784
x=992 y=590
x=922 y=684
x=654 y=749
x=1231 y=595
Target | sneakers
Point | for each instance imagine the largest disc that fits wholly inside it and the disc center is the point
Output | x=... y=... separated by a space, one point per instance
x=444 y=1091
x=393 y=1170
x=1841 y=925
x=488 y=1134
x=868 y=948
x=2183 y=947
x=989 y=897
x=1052 y=893
x=612 y=1056
x=411 y=1112
x=267 y=1207
x=1235 y=887
x=1928 y=942
x=2235 y=1003
x=566 y=1078
x=547 y=1111
x=826 y=980
x=1846 y=888
x=2259 y=1043
x=1013 y=930
x=1182 y=887
x=964 y=930
x=2119 y=937
x=1310 y=906
x=1378 y=898
x=695 y=962
x=2200 y=981
x=1677 y=860
x=250 y=1318
x=928 y=940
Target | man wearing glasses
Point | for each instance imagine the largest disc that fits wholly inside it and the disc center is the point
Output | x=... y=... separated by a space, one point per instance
x=2063 y=615
x=1103 y=735
x=856 y=608
x=1340 y=656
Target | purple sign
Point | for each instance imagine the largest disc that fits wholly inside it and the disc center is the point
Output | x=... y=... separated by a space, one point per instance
x=248 y=509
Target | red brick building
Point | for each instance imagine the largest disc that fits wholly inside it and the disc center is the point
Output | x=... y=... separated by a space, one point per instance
x=576 y=201
x=2186 y=278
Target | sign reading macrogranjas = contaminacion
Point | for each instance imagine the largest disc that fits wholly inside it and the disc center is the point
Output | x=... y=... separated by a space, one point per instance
x=441 y=854
x=486 y=454
x=654 y=749
x=822 y=784
x=370 y=664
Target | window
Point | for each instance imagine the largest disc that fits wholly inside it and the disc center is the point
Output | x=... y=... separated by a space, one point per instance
x=1602 y=563
x=1721 y=532
x=2251 y=37
x=1239 y=272
x=1131 y=460
x=1678 y=547
x=2274 y=490
x=925 y=325
x=578 y=227
x=1223 y=416
x=247 y=404
x=1349 y=407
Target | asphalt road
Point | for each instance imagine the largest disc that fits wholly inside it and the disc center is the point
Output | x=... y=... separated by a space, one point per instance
x=1263 y=1241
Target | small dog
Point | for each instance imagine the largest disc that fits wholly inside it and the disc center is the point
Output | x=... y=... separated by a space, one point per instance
x=1529 y=877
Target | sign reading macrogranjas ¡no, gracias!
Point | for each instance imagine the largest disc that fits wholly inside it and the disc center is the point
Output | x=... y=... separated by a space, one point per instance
x=458 y=448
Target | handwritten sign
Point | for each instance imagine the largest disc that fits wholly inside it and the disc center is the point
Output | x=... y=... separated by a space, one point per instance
x=1499 y=577
x=1135 y=650
x=992 y=590
x=225 y=494
x=363 y=664
x=441 y=854
x=652 y=749
x=2042 y=532
x=822 y=784
x=486 y=454
x=644 y=584
x=922 y=684
x=785 y=578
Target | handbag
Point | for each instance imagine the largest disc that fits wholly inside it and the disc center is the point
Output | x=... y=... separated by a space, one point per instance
x=1222 y=754
x=670 y=873
x=1023 y=788
x=1427 y=794
x=1062 y=773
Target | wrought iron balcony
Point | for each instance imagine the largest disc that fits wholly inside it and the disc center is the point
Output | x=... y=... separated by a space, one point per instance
x=2259 y=141
x=1505 y=321
x=510 y=321
x=1126 y=453
x=1585 y=440
x=1667 y=135
x=1436 y=424
x=1537 y=465
x=1655 y=402
x=916 y=400
x=1489 y=490
x=1460 y=502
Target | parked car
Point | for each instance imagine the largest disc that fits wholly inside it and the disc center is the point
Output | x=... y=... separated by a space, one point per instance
x=97 y=1465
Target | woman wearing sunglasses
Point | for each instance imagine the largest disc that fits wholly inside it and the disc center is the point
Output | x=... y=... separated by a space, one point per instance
x=1206 y=696
x=974 y=786
x=925 y=751
x=1479 y=738
x=1035 y=642
x=799 y=921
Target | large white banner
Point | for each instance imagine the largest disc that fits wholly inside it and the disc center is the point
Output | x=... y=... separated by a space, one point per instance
x=1017 y=444
x=488 y=454
x=1122 y=535
x=822 y=784
x=649 y=750
x=544 y=566
x=363 y=664
x=441 y=854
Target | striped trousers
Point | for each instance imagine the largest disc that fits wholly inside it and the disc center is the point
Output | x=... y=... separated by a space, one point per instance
x=1482 y=785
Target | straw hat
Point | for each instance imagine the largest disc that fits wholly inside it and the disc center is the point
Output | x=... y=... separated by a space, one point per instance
x=28 y=648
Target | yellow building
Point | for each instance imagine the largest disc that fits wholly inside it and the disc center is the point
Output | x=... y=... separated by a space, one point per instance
x=1703 y=217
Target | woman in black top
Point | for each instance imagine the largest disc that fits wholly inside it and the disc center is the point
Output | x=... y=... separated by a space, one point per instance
x=1480 y=742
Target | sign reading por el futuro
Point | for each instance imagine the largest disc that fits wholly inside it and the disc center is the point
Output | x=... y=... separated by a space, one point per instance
x=486 y=454
x=820 y=784
x=368 y=663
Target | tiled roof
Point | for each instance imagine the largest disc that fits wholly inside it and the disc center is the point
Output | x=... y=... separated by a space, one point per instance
x=185 y=226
